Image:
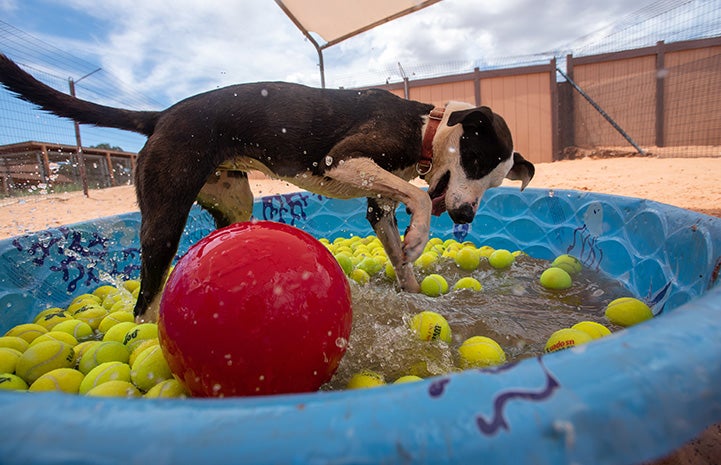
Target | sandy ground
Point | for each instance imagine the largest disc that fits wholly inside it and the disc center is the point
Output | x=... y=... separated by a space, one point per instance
x=690 y=183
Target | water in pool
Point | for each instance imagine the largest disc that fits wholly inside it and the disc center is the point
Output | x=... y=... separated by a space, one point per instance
x=512 y=308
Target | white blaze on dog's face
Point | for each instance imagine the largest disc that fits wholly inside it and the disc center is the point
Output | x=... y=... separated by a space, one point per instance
x=473 y=151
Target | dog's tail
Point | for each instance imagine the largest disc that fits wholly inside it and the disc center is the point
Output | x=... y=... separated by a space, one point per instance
x=28 y=88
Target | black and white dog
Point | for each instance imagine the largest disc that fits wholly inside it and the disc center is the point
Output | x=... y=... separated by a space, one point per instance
x=338 y=143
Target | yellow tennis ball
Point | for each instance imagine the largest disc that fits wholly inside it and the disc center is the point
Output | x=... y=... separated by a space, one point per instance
x=117 y=296
x=43 y=357
x=567 y=263
x=150 y=368
x=131 y=284
x=51 y=317
x=82 y=301
x=27 y=331
x=91 y=314
x=501 y=258
x=468 y=258
x=141 y=347
x=371 y=265
x=106 y=351
x=78 y=329
x=359 y=276
x=481 y=351
x=135 y=336
x=390 y=271
x=427 y=261
x=486 y=251
x=431 y=326
x=117 y=332
x=366 y=379
x=566 y=338
x=593 y=329
x=407 y=379
x=61 y=379
x=556 y=278
x=170 y=388
x=56 y=336
x=627 y=311
x=114 y=388
x=434 y=285
x=345 y=262
x=114 y=318
x=82 y=348
x=14 y=342
x=468 y=283
x=8 y=359
x=108 y=371
x=104 y=290
x=11 y=382
x=123 y=306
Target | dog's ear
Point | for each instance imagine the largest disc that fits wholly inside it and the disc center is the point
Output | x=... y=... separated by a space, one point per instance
x=473 y=117
x=522 y=170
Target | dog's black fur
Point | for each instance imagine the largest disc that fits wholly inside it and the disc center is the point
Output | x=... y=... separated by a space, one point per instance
x=339 y=143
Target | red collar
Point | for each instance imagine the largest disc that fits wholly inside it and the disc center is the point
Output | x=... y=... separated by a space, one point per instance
x=425 y=164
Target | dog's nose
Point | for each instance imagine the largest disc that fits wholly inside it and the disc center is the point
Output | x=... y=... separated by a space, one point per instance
x=463 y=214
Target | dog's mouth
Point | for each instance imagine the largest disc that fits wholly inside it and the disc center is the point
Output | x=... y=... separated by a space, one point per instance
x=438 y=194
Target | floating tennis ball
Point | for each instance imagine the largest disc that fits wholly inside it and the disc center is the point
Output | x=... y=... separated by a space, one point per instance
x=126 y=306
x=85 y=298
x=44 y=357
x=114 y=318
x=345 y=262
x=106 y=351
x=168 y=389
x=61 y=379
x=486 y=251
x=56 y=336
x=427 y=261
x=92 y=314
x=131 y=284
x=114 y=388
x=108 y=371
x=11 y=382
x=150 y=368
x=360 y=276
x=14 y=342
x=104 y=290
x=628 y=311
x=407 y=379
x=501 y=258
x=371 y=265
x=83 y=347
x=434 y=285
x=468 y=283
x=567 y=263
x=593 y=329
x=77 y=305
x=114 y=297
x=390 y=271
x=141 y=347
x=479 y=352
x=431 y=326
x=78 y=329
x=566 y=338
x=556 y=278
x=366 y=379
x=52 y=316
x=8 y=359
x=467 y=258
x=27 y=331
x=117 y=332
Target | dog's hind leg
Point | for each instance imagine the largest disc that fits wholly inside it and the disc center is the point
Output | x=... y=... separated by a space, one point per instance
x=382 y=217
x=227 y=196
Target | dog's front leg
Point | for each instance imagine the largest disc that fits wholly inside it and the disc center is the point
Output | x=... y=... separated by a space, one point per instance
x=365 y=176
x=382 y=217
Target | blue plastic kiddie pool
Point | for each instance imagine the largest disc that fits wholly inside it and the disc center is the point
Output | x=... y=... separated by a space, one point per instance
x=635 y=395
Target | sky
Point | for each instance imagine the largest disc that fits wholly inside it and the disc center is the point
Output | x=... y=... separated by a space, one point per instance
x=171 y=49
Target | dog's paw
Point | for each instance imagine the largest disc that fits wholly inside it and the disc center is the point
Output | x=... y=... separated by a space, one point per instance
x=414 y=241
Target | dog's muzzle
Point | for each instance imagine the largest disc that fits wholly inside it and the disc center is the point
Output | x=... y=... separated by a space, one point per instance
x=463 y=214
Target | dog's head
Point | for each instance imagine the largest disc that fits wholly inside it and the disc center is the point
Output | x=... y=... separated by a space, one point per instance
x=472 y=152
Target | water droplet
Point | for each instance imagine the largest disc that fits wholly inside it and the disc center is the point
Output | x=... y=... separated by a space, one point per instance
x=264 y=93
x=328 y=160
x=283 y=130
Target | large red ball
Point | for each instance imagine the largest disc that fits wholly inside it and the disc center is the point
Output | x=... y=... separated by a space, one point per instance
x=255 y=308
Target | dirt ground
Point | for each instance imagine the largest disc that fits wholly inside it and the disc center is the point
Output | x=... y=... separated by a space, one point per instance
x=690 y=183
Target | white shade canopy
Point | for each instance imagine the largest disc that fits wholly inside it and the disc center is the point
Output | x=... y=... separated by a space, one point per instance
x=337 y=20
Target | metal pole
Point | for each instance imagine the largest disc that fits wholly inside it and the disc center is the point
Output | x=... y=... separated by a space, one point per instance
x=78 y=141
x=603 y=113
